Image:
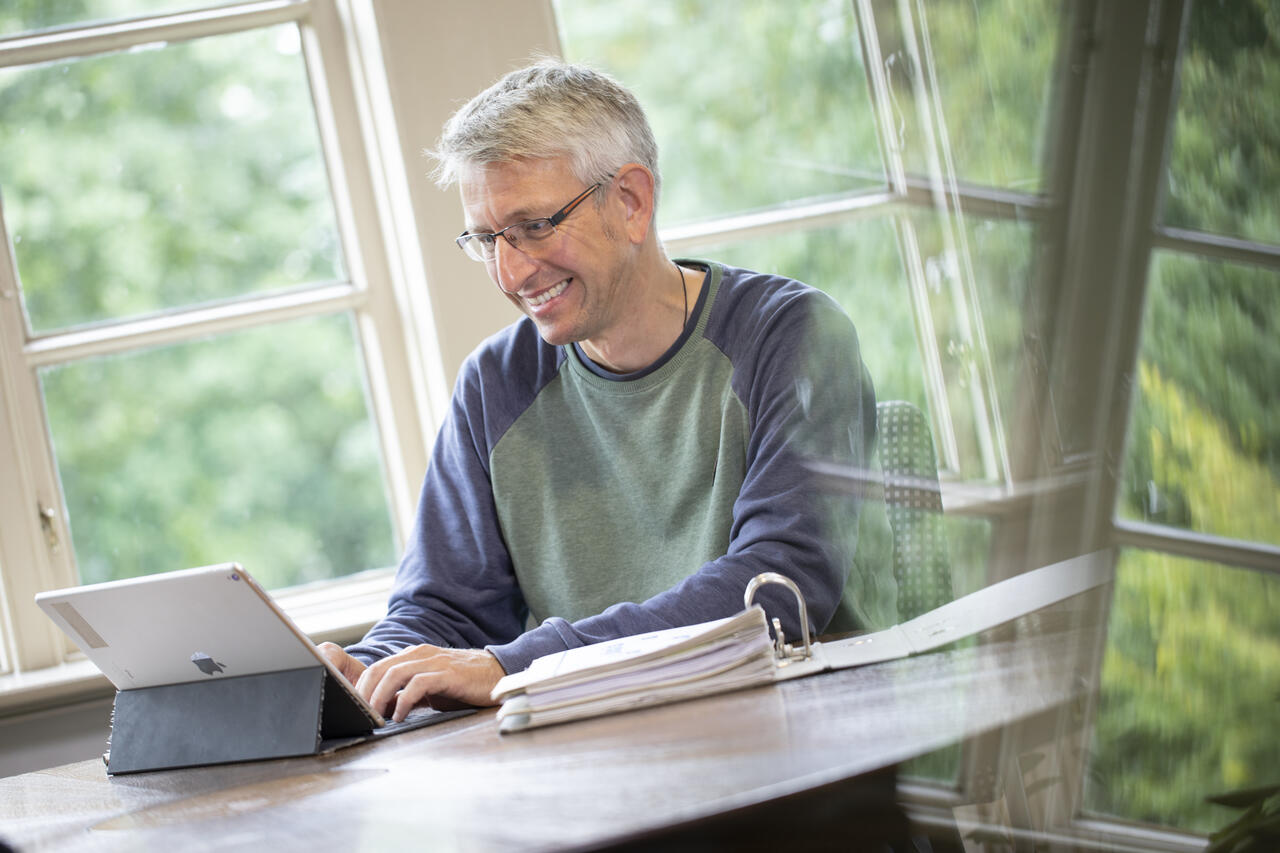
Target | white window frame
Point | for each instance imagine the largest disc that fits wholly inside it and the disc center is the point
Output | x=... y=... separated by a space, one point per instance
x=383 y=293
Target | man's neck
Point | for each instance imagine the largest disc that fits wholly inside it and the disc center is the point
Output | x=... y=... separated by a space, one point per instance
x=661 y=301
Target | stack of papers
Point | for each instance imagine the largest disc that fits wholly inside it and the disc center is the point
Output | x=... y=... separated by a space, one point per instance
x=728 y=654
x=639 y=671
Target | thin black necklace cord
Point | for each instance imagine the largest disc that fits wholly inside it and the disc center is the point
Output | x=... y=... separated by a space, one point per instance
x=685 y=289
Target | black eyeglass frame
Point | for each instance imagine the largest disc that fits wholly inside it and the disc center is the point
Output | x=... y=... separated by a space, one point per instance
x=474 y=247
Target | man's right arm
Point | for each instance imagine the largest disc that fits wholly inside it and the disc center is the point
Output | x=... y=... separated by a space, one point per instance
x=455 y=587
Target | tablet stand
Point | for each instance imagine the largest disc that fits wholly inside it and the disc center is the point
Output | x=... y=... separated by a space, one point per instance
x=247 y=717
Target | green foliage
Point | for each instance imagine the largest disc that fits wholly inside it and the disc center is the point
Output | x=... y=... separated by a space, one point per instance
x=140 y=182
x=1211 y=341
x=1190 y=680
x=255 y=447
x=732 y=90
x=1224 y=169
x=992 y=62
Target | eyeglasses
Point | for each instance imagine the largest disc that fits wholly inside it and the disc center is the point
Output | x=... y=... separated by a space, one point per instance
x=483 y=246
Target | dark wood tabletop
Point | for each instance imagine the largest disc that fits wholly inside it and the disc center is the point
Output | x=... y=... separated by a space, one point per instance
x=770 y=759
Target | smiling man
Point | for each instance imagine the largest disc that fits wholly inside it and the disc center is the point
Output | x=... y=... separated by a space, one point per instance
x=630 y=453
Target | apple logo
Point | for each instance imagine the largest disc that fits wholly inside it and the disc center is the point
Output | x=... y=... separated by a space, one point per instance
x=206 y=664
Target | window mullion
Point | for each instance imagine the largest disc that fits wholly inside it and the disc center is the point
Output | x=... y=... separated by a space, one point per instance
x=1231 y=249
x=1197 y=546
x=184 y=325
x=77 y=42
x=779 y=219
x=397 y=368
x=35 y=544
x=1093 y=278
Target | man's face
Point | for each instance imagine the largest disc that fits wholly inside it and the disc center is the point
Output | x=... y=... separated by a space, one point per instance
x=572 y=284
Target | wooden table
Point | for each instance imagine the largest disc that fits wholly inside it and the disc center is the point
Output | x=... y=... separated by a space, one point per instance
x=806 y=761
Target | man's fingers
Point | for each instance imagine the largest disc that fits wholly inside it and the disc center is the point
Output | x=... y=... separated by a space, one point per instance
x=371 y=678
x=390 y=682
x=415 y=692
x=349 y=667
x=428 y=673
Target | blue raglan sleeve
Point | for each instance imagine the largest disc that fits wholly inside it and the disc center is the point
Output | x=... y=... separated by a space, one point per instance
x=455 y=586
x=798 y=369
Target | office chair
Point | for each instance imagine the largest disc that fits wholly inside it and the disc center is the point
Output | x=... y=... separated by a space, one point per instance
x=913 y=503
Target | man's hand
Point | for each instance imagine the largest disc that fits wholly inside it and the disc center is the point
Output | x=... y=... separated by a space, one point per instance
x=350 y=668
x=428 y=675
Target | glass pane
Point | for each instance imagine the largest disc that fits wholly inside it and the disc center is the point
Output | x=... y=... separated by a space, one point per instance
x=137 y=182
x=1000 y=252
x=992 y=62
x=256 y=447
x=21 y=15
x=876 y=297
x=1204 y=437
x=996 y=254
x=1224 y=167
x=733 y=90
x=1190 y=691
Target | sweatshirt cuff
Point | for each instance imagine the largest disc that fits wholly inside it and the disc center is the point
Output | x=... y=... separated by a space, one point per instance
x=553 y=635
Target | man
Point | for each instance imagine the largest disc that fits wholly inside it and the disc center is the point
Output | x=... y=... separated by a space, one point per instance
x=630 y=453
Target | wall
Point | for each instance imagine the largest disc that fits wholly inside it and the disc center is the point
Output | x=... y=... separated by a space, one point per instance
x=47 y=738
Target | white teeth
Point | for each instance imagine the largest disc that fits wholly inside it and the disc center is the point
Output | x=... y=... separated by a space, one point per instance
x=546 y=295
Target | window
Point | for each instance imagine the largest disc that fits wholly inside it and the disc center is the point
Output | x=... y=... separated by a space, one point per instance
x=1191 y=665
x=964 y=239
x=1191 y=668
x=202 y=360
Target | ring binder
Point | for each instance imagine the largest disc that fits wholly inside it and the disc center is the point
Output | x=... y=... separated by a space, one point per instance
x=733 y=653
x=782 y=649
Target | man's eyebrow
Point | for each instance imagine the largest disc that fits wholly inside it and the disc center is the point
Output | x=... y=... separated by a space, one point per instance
x=520 y=215
x=524 y=213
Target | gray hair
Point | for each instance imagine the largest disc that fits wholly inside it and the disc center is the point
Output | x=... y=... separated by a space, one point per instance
x=547 y=110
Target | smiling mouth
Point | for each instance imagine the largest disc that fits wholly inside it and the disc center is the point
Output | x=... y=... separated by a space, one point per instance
x=547 y=295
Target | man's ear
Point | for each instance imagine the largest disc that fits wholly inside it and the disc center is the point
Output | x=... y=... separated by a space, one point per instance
x=635 y=188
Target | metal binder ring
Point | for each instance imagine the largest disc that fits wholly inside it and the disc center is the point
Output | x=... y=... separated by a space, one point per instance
x=784 y=649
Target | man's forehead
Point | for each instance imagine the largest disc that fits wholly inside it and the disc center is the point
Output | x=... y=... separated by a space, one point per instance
x=516 y=171
x=512 y=189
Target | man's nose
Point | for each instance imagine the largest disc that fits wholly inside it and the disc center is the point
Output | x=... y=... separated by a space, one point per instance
x=511 y=267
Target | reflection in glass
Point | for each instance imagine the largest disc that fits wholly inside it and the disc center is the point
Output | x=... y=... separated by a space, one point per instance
x=1190 y=691
x=996 y=255
x=752 y=104
x=1001 y=251
x=992 y=62
x=256 y=447
x=143 y=181
x=858 y=264
x=1224 y=166
x=1204 y=438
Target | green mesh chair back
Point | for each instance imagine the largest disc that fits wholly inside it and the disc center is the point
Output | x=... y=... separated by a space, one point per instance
x=913 y=503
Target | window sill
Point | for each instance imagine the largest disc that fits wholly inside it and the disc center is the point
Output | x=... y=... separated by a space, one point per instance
x=336 y=611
